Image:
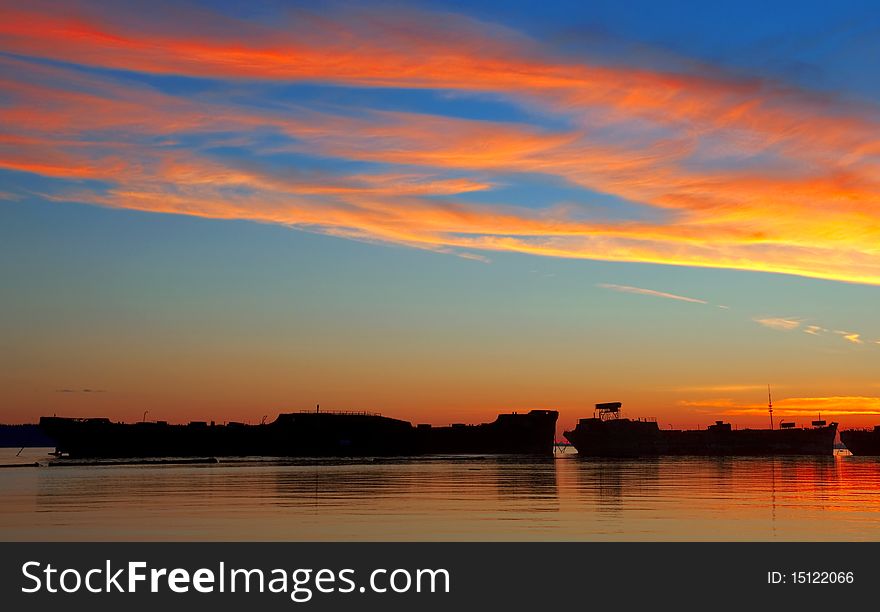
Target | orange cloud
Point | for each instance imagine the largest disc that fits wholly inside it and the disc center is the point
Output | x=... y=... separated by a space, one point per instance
x=850 y=336
x=797 y=406
x=813 y=212
x=415 y=49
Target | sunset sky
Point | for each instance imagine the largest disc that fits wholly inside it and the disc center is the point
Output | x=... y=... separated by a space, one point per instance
x=440 y=211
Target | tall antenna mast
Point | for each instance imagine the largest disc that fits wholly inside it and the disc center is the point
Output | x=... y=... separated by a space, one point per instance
x=770 y=405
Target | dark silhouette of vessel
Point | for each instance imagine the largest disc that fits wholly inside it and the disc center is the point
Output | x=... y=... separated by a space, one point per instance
x=608 y=435
x=531 y=433
x=862 y=441
x=301 y=434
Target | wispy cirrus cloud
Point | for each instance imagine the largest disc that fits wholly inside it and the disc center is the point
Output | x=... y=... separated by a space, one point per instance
x=731 y=171
x=650 y=292
x=785 y=324
x=780 y=323
x=791 y=324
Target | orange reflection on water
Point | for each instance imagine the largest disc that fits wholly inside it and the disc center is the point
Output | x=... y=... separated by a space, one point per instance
x=464 y=498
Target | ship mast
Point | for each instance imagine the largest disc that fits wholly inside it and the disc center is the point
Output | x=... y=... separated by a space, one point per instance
x=770 y=405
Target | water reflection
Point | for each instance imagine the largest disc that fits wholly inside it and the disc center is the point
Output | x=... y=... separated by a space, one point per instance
x=723 y=497
x=462 y=498
x=526 y=481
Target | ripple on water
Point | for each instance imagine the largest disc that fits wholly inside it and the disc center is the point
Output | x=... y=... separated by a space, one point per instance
x=459 y=498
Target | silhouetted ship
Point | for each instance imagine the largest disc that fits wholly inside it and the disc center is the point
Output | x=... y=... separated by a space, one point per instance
x=608 y=435
x=862 y=441
x=302 y=434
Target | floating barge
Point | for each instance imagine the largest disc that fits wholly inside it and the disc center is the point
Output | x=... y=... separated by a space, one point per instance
x=302 y=434
x=606 y=434
x=862 y=442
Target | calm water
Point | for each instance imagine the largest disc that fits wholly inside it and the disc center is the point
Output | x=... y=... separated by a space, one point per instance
x=474 y=498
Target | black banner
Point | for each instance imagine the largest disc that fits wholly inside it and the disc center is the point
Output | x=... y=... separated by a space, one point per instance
x=437 y=576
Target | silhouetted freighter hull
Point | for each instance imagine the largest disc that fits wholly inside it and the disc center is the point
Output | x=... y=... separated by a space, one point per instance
x=635 y=438
x=306 y=434
x=862 y=442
